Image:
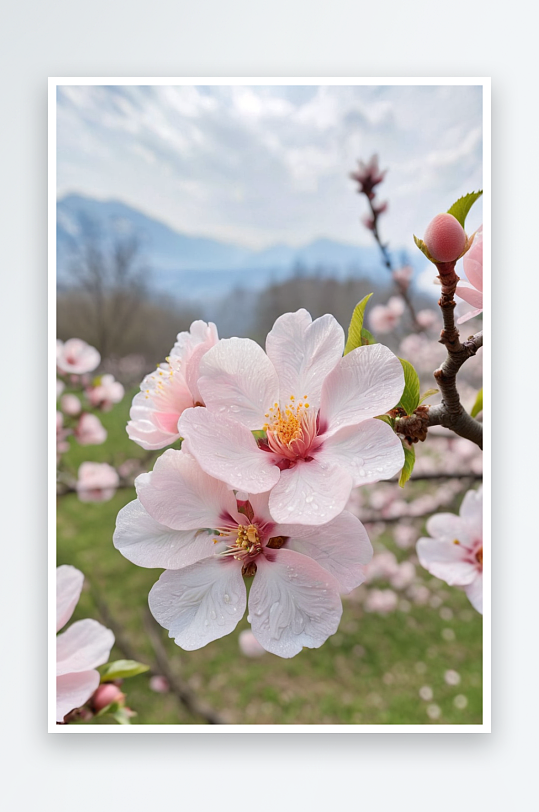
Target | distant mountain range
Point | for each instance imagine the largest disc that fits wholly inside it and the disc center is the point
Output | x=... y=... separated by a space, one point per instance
x=198 y=268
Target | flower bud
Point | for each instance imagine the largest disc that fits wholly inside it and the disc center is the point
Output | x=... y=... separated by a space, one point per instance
x=105 y=694
x=445 y=238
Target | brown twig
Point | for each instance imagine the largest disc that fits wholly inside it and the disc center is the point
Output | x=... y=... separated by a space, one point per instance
x=450 y=412
x=161 y=666
x=401 y=288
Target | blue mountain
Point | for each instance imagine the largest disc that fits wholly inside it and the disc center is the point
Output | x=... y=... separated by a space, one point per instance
x=197 y=267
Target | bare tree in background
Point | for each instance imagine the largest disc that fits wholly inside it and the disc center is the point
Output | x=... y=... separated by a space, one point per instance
x=111 y=277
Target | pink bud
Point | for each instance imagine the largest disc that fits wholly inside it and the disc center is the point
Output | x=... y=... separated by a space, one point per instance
x=105 y=694
x=445 y=238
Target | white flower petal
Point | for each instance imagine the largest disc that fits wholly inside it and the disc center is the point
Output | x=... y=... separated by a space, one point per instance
x=180 y=495
x=200 y=603
x=370 y=451
x=227 y=450
x=69 y=581
x=448 y=527
x=365 y=383
x=85 y=645
x=446 y=561
x=310 y=493
x=148 y=543
x=73 y=690
x=342 y=547
x=238 y=380
x=293 y=603
x=471 y=511
x=474 y=591
x=303 y=353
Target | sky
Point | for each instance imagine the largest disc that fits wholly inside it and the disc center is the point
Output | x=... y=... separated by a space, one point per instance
x=260 y=165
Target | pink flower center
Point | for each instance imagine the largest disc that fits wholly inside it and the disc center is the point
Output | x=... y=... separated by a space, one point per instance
x=247 y=544
x=479 y=556
x=291 y=431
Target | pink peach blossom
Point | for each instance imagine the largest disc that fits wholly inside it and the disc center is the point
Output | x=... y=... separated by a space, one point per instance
x=70 y=405
x=403 y=276
x=381 y=601
x=192 y=525
x=89 y=430
x=159 y=684
x=473 y=268
x=97 y=482
x=315 y=407
x=427 y=318
x=76 y=357
x=384 y=318
x=454 y=553
x=60 y=386
x=382 y=567
x=172 y=388
x=61 y=434
x=404 y=576
x=249 y=645
x=80 y=649
x=105 y=393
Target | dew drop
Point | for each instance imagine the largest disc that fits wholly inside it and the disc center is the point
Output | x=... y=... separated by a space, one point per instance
x=226 y=598
x=248 y=618
x=310 y=498
x=213 y=615
x=206 y=622
x=362 y=472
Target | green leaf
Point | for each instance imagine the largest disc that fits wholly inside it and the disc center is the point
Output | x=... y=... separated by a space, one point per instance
x=259 y=434
x=460 y=209
x=386 y=419
x=422 y=247
x=122 y=716
x=356 y=325
x=366 y=337
x=121 y=669
x=478 y=405
x=410 y=397
x=409 y=462
x=428 y=394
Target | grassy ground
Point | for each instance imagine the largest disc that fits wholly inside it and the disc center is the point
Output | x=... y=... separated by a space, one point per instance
x=370 y=672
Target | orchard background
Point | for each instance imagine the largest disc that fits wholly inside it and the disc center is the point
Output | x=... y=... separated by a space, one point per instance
x=408 y=649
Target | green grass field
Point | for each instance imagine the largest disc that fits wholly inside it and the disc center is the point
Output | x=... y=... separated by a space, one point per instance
x=370 y=672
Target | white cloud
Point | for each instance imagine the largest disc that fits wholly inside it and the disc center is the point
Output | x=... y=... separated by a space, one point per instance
x=261 y=165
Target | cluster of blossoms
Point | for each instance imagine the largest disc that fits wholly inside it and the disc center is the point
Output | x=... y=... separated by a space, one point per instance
x=75 y=360
x=79 y=649
x=273 y=443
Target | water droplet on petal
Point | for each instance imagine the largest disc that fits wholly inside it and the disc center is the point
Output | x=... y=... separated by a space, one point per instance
x=309 y=498
x=362 y=472
x=226 y=598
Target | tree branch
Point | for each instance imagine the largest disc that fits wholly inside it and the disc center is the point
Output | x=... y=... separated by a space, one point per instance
x=450 y=412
